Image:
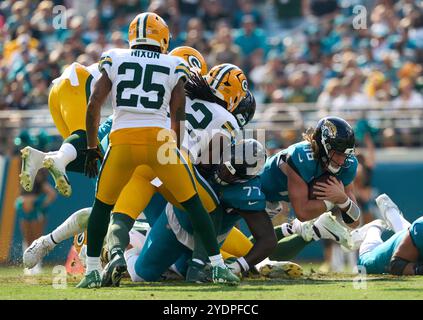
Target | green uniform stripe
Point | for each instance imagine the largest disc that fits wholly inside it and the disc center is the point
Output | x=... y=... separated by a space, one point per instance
x=183 y=71
x=88 y=88
x=206 y=186
x=144 y=27
x=181 y=157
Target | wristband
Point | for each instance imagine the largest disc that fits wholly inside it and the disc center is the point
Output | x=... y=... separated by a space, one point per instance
x=329 y=205
x=345 y=204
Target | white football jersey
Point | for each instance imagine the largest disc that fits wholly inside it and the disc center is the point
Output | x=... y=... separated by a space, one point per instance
x=143 y=82
x=70 y=74
x=204 y=120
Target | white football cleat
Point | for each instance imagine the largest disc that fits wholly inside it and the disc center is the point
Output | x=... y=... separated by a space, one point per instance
x=32 y=161
x=304 y=229
x=58 y=172
x=327 y=227
x=358 y=235
x=37 y=251
x=384 y=203
x=281 y=269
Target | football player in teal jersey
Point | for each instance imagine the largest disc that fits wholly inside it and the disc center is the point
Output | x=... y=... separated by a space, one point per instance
x=402 y=253
x=239 y=190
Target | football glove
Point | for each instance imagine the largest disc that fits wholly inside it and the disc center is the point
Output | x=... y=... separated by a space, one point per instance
x=91 y=157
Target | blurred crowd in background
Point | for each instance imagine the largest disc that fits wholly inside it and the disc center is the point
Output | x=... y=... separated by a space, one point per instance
x=326 y=52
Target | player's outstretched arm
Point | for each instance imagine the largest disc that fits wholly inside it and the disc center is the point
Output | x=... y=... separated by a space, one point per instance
x=99 y=95
x=177 y=111
x=404 y=259
x=101 y=89
x=264 y=235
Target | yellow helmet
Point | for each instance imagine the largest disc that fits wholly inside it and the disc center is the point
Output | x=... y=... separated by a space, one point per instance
x=79 y=241
x=149 y=28
x=194 y=58
x=228 y=83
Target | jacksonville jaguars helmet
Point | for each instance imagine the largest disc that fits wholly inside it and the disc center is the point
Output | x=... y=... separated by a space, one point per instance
x=334 y=133
x=246 y=109
x=243 y=162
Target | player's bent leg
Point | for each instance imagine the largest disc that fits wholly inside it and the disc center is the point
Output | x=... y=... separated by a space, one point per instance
x=163 y=250
x=73 y=225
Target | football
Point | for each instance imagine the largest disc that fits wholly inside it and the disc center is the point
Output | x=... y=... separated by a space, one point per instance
x=322 y=178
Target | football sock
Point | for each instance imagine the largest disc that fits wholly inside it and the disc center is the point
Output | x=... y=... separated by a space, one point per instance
x=398 y=221
x=78 y=140
x=217 y=261
x=73 y=225
x=199 y=252
x=288 y=248
x=93 y=263
x=97 y=227
x=67 y=153
x=118 y=236
x=202 y=223
x=371 y=240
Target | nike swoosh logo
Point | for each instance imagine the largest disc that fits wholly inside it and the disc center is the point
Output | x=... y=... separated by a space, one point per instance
x=335 y=236
x=299 y=158
x=252 y=203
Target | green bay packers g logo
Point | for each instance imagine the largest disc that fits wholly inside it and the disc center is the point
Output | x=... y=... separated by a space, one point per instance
x=80 y=239
x=194 y=62
x=244 y=85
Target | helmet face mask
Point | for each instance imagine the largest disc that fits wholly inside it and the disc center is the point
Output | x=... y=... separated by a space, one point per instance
x=247 y=159
x=336 y=141
x=245 y=110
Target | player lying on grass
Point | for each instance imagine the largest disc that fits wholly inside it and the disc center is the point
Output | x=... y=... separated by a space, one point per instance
x=401 y=254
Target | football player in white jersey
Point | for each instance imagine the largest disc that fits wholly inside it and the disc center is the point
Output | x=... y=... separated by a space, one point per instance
x=145 y=84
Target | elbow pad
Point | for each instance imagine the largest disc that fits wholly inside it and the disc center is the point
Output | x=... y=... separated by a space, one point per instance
x=397 y=266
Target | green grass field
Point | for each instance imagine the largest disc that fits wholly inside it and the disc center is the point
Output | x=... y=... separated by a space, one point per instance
x=13 y=285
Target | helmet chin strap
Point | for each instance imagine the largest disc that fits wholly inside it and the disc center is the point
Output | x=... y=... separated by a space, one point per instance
x=332 y=169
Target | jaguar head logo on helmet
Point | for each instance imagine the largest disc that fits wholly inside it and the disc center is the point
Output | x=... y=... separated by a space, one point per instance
x=149 y=28
x=336 y=143
x=228 y=83
x=192 y=57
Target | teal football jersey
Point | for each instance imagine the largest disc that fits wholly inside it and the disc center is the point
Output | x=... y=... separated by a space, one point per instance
x=299 y=157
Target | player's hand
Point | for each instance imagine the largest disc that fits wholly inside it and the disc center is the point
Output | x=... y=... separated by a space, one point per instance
x=91 y=157
x=332 y=191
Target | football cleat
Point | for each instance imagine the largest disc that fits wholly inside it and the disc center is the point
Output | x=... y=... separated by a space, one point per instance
x=359 y=234
x=281 y=269
x=198 y=273
x=32 y=161
x=327 y=227
x=37 y=251
x=58 y=172
x=384 y=203
x=90 y=281
x=224 y=275
x=304 y=229
x=114 y=271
